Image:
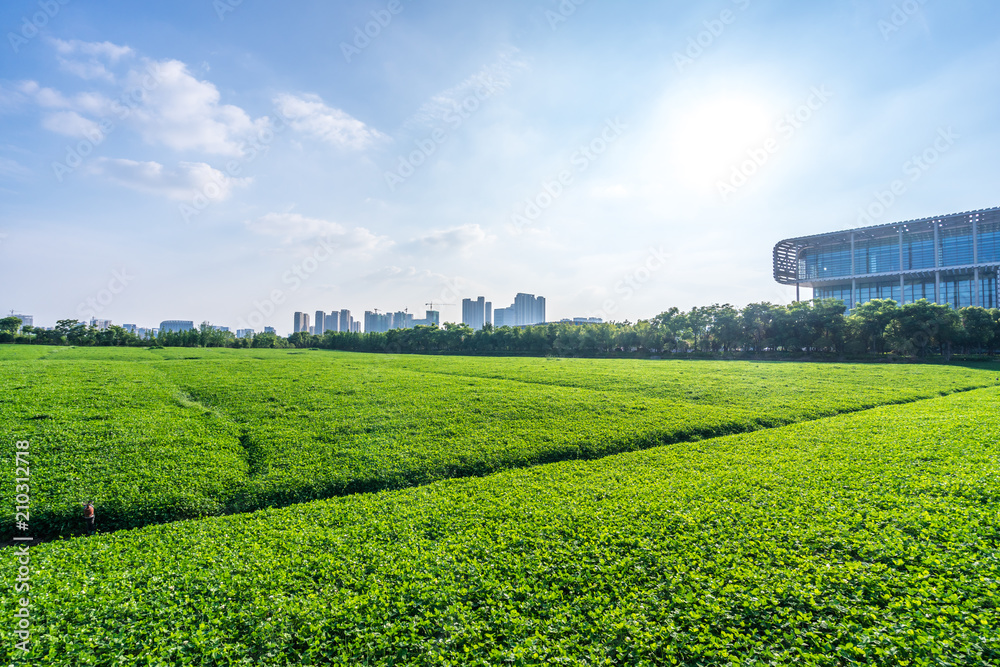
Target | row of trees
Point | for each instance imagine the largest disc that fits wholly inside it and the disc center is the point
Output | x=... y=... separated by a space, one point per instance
x=874 y=328
x=74 y=332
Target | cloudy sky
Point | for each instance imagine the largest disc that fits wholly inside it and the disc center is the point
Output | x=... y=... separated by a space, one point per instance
x=238 y=160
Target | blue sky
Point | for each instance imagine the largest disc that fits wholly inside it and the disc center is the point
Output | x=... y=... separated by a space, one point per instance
x=238 y=161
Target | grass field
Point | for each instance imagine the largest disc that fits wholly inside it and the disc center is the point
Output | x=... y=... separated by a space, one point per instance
x=863 y=539
x=159 y=435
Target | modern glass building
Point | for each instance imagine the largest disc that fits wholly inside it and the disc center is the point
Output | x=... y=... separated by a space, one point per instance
x=951 y=259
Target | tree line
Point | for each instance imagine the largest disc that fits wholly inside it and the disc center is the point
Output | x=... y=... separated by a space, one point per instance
x=875 y=328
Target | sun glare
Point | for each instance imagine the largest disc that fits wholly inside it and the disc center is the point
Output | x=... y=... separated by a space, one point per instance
x=709 y=139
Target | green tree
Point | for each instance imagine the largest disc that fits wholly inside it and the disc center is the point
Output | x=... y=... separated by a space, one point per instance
x=10 y=324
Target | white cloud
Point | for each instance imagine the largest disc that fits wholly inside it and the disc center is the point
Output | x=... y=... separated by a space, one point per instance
x=111 y=52
x=617 y=191
x=92 y=67
x=180 y=184
x=294 y=227
x=12 y=169
x=407 y=276
x=183 y=113
x=175 y=109
x=71 y=124
x=454 y=239
x=309 y=114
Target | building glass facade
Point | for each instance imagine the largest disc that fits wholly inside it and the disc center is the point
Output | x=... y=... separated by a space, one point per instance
x=952 y=259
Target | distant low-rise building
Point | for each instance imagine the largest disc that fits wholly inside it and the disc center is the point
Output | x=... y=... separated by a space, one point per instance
x=244 y=333
x=176 y=326
x=102 y=325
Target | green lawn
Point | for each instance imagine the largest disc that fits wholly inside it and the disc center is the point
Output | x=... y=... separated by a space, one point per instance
x=157 y=435
x=863 y=539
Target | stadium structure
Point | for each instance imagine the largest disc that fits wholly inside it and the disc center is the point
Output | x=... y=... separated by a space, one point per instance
x=951 y=259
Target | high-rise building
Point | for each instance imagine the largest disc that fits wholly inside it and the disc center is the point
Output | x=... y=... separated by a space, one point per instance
x=102 y=325
x=301 y=322
x=175 y=326
x=270 y=330
x=431 y=318
x=131 y=328
x=951 y=259
x=474 y=312
x=402 y=320
x=332 y=321
x=355 y=327
x=503 y=317
x=377 y=322
x=346 y=321
x=528 y=309
x=319 y=326
x=488 y=314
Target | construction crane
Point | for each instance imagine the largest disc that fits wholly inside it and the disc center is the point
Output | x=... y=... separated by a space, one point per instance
x=431 y=304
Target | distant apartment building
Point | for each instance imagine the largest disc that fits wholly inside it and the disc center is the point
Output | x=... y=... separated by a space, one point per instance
x=347 y=322
x=355 y=327
x=244 y=333
x=175 y=326
x=270 y=330
x=431 y=319
x=26 y=320
x=582 y=320
x=319 y=326
x=131 y=328
x=477 y=313
x=301 y=322
x=102 y=325
x=529 y=309
x=331 y=321
x=503 y=317
x=376 y=322
x=526 y=310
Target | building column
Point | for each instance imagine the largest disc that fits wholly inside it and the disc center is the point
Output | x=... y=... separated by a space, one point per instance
x=902 y=280
x=937 y=263
x=976 y=296
x=975 y=287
